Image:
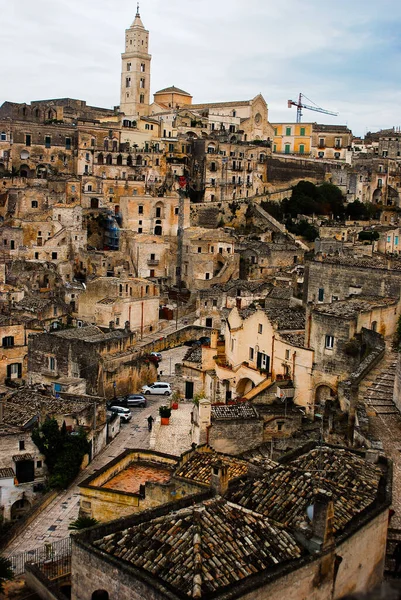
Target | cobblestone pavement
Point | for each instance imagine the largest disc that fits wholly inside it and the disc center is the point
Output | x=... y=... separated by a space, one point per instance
x=52 y=523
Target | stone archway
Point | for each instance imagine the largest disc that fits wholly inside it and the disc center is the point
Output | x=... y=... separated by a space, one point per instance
x=100 y=595
x=323 y=392
x=244 y=386
x=19 y=508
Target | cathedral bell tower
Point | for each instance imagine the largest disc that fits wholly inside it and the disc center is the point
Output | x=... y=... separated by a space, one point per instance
x=135 y=73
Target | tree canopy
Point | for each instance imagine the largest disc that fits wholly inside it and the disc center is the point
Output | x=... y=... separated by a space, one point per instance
x=63 y=451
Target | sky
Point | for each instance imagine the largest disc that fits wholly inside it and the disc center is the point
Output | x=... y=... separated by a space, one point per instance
x=342 y=54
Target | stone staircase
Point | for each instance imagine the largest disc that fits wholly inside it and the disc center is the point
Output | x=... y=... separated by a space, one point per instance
x=376 y=390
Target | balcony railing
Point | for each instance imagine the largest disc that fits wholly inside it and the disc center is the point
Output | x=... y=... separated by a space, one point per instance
x=153 y=262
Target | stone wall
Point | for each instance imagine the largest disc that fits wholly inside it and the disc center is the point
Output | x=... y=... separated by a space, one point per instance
x=280 y=170
x=235 y=437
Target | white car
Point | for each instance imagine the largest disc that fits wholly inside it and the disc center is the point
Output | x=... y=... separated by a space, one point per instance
x=160 y=387
x=124 y=413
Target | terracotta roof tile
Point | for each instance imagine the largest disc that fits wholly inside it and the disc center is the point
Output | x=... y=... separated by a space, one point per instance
x=199 y=467
x=204 y=548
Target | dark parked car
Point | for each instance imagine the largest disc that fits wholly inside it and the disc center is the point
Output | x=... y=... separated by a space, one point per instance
x=119 y=401
x=136 y=400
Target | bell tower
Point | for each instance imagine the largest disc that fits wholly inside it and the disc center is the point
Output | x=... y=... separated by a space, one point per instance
x=135 y=72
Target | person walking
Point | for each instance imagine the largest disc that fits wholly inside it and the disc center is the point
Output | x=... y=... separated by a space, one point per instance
x=150 y=422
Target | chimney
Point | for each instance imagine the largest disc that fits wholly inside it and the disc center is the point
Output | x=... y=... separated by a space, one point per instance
x=323 y=517
x=214 y=336
x=219 y=478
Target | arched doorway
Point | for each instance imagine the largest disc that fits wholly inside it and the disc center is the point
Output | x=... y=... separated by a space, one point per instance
x=377 y=196
x=100 y=595
x=100 y=159
x=119 y=160
x=109 y=159
x=244 y=386
x=129 y=160
x=24 y=171
x=158 y=230
x=322 y=394
x=94 y=203
x=19 y=508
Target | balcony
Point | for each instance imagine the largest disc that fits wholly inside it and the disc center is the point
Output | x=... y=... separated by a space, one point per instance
x=152 y=262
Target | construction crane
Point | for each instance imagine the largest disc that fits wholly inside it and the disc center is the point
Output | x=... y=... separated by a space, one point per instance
x=300 y=105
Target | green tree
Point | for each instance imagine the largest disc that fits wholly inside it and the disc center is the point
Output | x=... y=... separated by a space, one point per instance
x=63 y=451
x=83 y=523
x=6 y=572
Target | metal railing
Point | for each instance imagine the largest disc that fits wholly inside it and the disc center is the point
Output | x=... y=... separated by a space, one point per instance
x=54 y=559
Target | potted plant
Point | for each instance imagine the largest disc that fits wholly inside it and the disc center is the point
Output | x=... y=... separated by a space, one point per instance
x=174 y=400
x=165 y=414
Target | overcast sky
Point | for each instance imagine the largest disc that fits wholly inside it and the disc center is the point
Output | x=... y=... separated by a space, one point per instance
x=342 y=54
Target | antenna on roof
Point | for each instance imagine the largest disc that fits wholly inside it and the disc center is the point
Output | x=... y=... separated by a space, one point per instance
x=137 y=9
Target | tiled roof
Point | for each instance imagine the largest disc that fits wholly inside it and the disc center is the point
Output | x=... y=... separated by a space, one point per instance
x=352 y=307
x=234 y=411
x=6 y=472
x=172 y=89
x=286 y=318
x=193 y=354
x=199 y=467
x=204 y=548
x=295 y=339
x=260 y=457
x=284 y=493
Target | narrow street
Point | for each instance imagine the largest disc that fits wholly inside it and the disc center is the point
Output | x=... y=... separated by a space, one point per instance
x=52 y=524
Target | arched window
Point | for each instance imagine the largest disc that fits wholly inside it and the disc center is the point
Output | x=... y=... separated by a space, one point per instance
x=129 y=161
x=114 y=145
x=139 y=159
x=100 y=595
x=100 y=159
x=106 y=144
x=109 y=159
x=119 y=160
x=37 y=113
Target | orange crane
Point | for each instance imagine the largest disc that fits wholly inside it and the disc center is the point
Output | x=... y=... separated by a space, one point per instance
x=300 y=105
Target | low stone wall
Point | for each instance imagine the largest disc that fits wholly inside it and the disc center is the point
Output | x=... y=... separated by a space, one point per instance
x=31 y=515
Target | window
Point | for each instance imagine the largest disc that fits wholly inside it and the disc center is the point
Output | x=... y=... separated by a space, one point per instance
x=280 y=425
x=34 y=204
x=207 y=275
x=38 y=464
x=142 y=83
x=128 y=66
x=52 y=363
x=288 y=131
x=128 y=82
x=36 y=255
x=54 y=255
x=302 y=132
x=3 y=136
x=260 y=328
x=380 y=183
x=68 y=143
x=329 y=341
x=47 y=141
x=142 y=67
x=396 y=240
x=320 y=295
x=21 y=445
x=199 y=250
x=142 y=99
x=171 y=147
x=287 y=354
x=176 y=210
x=28 y=139
x=302 y=149
x=8 y=341
x=251 y=353
x=287 y=149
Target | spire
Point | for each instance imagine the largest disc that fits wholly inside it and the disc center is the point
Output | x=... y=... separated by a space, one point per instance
x=137 y=21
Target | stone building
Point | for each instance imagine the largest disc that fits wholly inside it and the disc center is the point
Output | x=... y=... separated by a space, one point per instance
x=14 y=348
x=105 y=361
x=121 y=302
x=277 y=546
x=332 y=278
x=331 y=141
x=154 y=216
x=208 y=258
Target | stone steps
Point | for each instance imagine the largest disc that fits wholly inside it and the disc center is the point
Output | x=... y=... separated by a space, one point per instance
x=376 y=390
